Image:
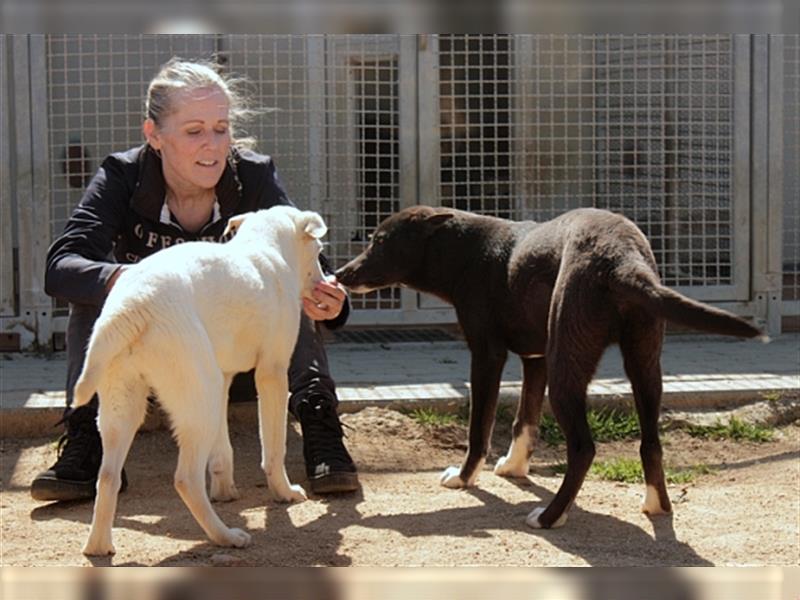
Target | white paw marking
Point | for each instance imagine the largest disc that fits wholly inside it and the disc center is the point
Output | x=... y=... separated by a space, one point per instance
x=451 y=478
x=651 y=504
x=515 y=462
x=533 y=519
x=506 y=468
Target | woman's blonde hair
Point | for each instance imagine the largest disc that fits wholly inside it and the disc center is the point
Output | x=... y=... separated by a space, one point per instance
x=179 y=75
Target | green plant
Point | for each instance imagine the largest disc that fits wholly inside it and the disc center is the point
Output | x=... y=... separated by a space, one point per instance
x=609 y=425
x=549 y=431
x=433 y=418
x=629 y=470
x=735 y=429
x=606 y=425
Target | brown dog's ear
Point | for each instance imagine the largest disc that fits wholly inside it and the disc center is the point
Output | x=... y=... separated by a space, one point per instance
x=437 y=219
x=311 y=224
x=233 y=225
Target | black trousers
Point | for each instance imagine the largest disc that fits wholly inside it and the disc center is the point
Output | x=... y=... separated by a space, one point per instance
x=309 y=375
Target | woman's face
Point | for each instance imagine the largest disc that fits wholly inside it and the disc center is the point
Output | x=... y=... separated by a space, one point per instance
x=193 y=139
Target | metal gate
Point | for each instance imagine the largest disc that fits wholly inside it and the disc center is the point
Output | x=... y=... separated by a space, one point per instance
x=657 y=127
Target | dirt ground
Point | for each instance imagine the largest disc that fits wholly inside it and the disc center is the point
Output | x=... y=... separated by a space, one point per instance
x=746 y=511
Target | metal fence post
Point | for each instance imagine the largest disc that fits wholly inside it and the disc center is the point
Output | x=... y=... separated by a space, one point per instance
x=33 y=206
x=767 y=180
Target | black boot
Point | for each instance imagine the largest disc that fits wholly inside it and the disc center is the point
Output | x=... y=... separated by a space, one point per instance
x=329 y=467
x=80 y=451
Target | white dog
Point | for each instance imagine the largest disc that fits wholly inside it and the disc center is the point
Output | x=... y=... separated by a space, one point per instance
x=183 y=322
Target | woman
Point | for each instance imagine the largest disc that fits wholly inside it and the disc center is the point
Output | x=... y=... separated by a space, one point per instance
x=183 y=184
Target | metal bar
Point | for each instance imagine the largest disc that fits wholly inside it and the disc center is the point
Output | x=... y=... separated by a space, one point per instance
x=774 y=266
x=408 y=79
x=6 y=196
x=741 y=166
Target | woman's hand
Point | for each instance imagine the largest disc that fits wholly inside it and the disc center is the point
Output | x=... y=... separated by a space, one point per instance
x=329 y=296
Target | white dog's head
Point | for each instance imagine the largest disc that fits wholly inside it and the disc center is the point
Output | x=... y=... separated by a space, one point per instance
x=304 y=228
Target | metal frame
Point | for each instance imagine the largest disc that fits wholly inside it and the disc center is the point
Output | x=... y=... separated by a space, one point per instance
x=30 y=185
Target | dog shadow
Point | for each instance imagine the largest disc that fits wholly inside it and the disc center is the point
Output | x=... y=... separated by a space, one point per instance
x=277 y=540
x=606 y=552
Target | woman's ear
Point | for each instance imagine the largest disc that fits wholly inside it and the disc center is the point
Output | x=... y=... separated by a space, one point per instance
x=150 y=131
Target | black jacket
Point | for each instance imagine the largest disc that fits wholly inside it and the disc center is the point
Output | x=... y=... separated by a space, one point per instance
x=118 y=220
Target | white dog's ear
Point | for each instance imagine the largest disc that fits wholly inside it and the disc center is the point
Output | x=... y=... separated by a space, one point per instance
x=233 y=225
x=312 y=225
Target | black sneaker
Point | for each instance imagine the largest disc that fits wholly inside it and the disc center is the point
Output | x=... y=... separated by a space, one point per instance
x=329 y=468
x=74 y=474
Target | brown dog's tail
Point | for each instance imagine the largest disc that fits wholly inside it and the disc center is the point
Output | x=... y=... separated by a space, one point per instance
x=677 y=308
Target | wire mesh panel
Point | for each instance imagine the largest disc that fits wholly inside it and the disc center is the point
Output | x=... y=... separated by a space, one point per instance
x=791 y=174
x=96 y=93
x=518 y=126
x=532 y=126
x=334 y=133
x=326 y=111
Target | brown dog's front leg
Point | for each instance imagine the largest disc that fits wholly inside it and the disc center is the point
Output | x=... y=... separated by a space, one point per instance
x=486 y=371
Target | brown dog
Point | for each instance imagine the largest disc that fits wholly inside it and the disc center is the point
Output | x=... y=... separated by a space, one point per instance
x=557 y=294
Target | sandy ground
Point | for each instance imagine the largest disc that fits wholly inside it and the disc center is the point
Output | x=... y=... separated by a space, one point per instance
x=745 y=512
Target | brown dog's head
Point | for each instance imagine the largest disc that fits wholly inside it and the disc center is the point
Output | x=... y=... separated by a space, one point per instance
x=396 y=252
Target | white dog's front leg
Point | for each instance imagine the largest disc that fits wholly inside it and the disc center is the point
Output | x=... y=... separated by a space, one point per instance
x=272 y=394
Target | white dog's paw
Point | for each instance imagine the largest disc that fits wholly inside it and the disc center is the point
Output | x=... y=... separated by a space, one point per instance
x=98 y=548
x=293 y=493
x=451 y=478
x=533 y=519
x=224 y=492
x=506 y=468
x=234 y=537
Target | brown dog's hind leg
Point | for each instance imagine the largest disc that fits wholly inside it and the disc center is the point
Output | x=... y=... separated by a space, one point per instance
x=576 y=341
x=526 y=424
x=640 y=343
x=486 y=371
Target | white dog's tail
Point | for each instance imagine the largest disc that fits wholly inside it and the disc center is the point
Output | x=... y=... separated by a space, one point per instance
x=112 y=334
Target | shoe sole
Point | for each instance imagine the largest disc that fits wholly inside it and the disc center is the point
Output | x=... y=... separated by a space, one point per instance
x=55 y=490
x=58 y=490
x=335 y=483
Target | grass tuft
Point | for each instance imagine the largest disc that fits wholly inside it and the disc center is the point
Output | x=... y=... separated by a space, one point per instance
x=734 y=429
x=433 y=418
x=629 y=470
x=606 y=424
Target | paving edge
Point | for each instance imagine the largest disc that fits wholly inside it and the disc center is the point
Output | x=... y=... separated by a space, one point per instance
x=40 y=421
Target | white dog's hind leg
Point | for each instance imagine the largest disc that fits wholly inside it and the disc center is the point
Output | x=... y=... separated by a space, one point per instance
x=192 y=397
x=273 y=391
x=220 y=466
x=121 y=411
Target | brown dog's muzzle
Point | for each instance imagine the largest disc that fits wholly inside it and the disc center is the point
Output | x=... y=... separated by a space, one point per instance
x=352 y=276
